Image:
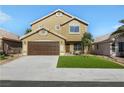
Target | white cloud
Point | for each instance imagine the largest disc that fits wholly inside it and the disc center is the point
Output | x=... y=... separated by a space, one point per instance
x=4 y=17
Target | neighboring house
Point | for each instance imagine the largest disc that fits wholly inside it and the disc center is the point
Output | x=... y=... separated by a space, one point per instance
x=109 y=45
x=55 y=34
x=9 y=43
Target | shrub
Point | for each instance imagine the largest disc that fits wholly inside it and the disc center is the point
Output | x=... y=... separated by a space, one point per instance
x=2 y=56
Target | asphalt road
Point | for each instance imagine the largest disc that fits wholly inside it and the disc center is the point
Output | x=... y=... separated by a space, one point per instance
x=6 y=83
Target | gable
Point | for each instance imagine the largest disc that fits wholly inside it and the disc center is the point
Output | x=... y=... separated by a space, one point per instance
x=73 y=37
x=43 y=33
x=73 y=20
x=51 y=21
x=58 y=11
x=39 y=36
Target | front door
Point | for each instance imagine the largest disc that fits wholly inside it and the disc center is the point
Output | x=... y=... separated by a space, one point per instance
x=67 y=48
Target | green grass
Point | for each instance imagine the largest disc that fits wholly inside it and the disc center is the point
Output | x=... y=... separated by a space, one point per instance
x=85 y=62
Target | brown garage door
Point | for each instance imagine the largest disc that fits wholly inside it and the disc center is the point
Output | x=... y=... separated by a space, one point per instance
x=43 y=48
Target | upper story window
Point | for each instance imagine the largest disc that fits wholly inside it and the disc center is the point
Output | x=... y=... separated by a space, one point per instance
x=57 y=27
x=59 y=14
x=74 y=29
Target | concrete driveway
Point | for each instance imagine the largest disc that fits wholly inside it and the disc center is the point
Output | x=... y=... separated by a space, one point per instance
x=43 y=68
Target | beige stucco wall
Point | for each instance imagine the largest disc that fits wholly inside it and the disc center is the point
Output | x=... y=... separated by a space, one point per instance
x=73 y=37
x=50 y=22
x=39 y=37
x=54 y=20
x=71 y=48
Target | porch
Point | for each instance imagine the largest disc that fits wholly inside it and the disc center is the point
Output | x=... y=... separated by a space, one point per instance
x=73 y=48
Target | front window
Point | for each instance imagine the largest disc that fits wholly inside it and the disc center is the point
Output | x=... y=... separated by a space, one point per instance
x=113 y=47
x=121 y=46
x=77 y=46
x=74 y=29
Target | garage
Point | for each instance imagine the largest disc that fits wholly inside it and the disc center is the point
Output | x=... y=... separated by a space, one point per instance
x=43 y=48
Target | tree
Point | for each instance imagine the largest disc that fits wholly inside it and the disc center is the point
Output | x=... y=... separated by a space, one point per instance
x=28 y=31
x=86 y=41
x=122 y=21
x=120 y=29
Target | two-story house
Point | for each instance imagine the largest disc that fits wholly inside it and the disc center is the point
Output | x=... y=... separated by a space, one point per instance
x=55 y=34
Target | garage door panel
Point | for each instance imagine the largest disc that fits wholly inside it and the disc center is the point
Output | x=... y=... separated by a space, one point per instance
x=43 y=48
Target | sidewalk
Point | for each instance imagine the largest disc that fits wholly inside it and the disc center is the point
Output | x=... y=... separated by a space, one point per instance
x=28 y=68
x=119 y=59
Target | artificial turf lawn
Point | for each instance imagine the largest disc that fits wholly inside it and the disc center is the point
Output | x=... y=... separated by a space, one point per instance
x=85 y=62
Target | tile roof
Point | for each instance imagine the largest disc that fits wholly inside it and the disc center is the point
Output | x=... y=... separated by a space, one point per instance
x=8 y=35
x=102 y=38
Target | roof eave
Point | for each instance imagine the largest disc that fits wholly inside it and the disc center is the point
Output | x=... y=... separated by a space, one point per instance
x=72 y=20
x=4 y=38
x=55 y=12
x=27 y=35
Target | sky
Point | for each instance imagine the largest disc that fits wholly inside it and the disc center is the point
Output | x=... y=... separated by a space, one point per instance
x=102 y=19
